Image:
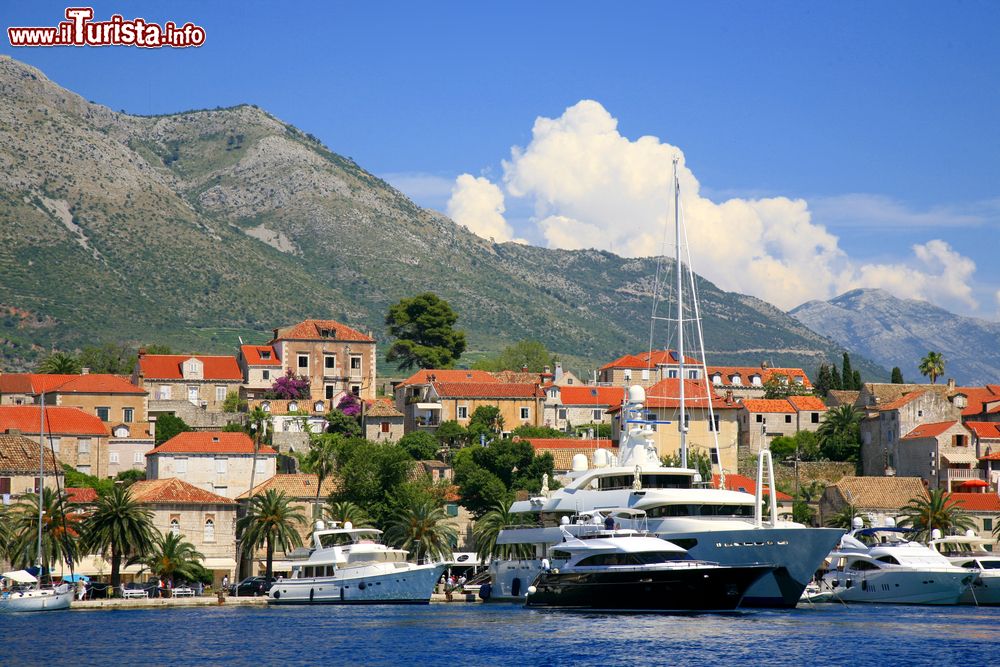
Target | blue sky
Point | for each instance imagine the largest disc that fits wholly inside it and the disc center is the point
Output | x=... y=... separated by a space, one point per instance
x=881 y=116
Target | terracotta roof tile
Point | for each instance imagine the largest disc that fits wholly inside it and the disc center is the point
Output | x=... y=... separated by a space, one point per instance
x=424 y=376
x=168 y=367
x=59 y=420
x=210 y=442
x=747 y=485
x=98 y=383
x=260 y=355
x=588 y=395
x=518 y=377
x=649 y=360
x=174 y=491
x=871 y=493
x=299 y=485
x=564 y=449
x=842 y=397
x=284 y=406
x=81 y=495
x=487 y=390
x=383 y=408
x=768 y=405
x=313 y=330
x=666 y=394
x=977 y=502
x=985 y=430
x=16 y=383
x=745 y=372
x=977 y=398
x=901 y=401
x=812 y=403
x=932 y=430
x=19 y=456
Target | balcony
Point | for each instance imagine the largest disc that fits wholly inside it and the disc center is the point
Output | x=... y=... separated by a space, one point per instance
x=963 y=474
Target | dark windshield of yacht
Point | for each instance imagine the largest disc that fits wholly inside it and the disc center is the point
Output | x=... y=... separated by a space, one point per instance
x=665 y=481
x=699 y=510
x=335 y=540
x=642 y=558
x=990 y=564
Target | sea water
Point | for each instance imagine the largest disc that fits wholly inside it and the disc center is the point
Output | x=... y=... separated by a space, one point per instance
x=501 y=634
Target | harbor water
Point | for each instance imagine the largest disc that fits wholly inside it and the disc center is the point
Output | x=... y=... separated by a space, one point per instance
x=499 y=634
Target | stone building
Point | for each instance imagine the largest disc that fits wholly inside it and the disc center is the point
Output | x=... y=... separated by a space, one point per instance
x=383 y=422
x=751 y=381
x=885 y=423
x=940 y=453
x=576 y=405
x=335 y=358
x=218 y=462
x=876 y=498
x=762 y=419
x=19 y=465
x=646 y=369
x=79 y=439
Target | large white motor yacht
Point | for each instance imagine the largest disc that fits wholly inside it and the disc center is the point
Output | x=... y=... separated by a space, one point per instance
x=727 y=527
x=348 y=565
x=969 y=551
x=882 y=565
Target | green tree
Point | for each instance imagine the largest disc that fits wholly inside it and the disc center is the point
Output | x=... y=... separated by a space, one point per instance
x=344 y=425
x=420 y=445
x=847 y=373
x=110 y=358
x=937 y=510
x=857 y=380
x=321 y=458
x=780 y=386
x=366 y=471
x=897 y=375
x=424 y=530
x=485 y=424
x=121 y=526
x=600 y=430
x=698 y=459
x=488 y=528
x=234 y=403
x=844 y=518
x=59 y=363
x=424 y=327
x=271 y=521
x=345 y=511
x=258 y=419
x=451 y=434
x=530 y=354
x=802 y=512
x=806 y=443
x=824 y=380
x=157 y=348
x=487 y=475
x=173 y=558
x=932 y=366
x=527 y=431
x=130 y=477
x=835 y=380
x=167 y=426
x=60 y=530
x=840 y=433
x=73 y=478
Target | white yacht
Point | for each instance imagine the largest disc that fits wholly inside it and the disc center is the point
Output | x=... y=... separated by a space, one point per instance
x=348 y=565
x=969 y=551
x=21 y=591
x=715 y=525
x=882 y=565
x=613 y=569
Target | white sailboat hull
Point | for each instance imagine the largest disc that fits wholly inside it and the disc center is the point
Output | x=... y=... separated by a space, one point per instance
x=45 y=599
x=377 y=583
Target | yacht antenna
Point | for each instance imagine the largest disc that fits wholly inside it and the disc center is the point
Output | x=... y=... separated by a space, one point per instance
x=681 y=425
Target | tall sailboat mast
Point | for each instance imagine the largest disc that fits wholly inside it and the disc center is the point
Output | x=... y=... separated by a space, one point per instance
x=682 y=421
x=41 y=481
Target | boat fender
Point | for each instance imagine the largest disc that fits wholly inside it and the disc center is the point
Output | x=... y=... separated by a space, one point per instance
x=484 y=592
x=532 y=590
x=515 y=587
x=277 y=595
x=362 y=585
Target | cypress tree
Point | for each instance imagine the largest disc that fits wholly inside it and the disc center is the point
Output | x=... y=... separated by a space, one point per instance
x=857 y=380
x=823 y=378
x=897 y=375
x=846 y=374
x=835 y=381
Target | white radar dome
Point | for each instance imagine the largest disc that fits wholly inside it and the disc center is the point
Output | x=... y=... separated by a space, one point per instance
x=602 y=458
x=890 y=522
x=936 y=534
x=636 y=394
x=857 y=522
x=579 y=462
x=320 y=525
x=348 y=525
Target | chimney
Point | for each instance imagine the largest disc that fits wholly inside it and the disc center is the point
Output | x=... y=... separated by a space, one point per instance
x=951 y=384
x=524 y=368
x=729 y=396
x=142 y=352
x=84 y=371
x=13 y=431
x=547 y=370
x=559 y=371
x=765 y=364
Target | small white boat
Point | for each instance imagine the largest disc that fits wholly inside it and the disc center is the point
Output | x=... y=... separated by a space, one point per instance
x=348 y=565
x=882 y=565
x=968 y=551
x=22 y=592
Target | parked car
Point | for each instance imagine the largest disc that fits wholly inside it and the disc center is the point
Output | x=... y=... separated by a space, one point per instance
x=252 y=586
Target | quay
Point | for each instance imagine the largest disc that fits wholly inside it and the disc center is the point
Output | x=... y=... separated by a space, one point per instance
x=206 y=601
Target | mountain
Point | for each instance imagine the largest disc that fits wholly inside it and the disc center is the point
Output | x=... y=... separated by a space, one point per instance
x=191 y=229
x=900 y=332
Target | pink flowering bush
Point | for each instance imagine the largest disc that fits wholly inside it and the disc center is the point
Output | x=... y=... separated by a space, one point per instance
x=289 y=387
x=350 y=405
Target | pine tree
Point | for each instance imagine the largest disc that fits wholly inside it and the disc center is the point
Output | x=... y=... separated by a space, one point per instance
x=897 y=375
x=847 y=374
x=835 y=381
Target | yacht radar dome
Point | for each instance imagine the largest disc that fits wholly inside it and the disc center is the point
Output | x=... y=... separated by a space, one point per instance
x=636 y=394
x=890 y=522
x=602 y=458
x=857 y=523
x=579 y=462
x=936 y=534
x=320 y=525
x=348 y=525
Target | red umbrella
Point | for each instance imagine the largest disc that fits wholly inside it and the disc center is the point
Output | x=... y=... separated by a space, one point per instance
x=974 y=483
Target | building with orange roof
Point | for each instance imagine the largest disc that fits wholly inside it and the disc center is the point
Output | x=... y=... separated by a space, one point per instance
x=941 y=453
x=892 y=412
x=334 y=357
x=261 y=366
x=382 y=422
x=201 y=380
x=205 y=519
x=763 y=419
x=647 y=368
x=751 y=381
x=79 y=439
x=216 y=461
x=563 y=450
x=983 y=507
x=520 y=404
x=19 y=465
x=663 y=405
x=577 y=405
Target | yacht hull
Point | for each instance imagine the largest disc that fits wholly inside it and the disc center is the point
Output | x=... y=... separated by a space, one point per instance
x=984 y=591
x=382 y=583
x=796 y=554
x=37 y=600
x=679 y=590
x=899 y=586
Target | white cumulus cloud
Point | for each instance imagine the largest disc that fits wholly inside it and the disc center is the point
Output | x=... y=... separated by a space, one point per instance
x=592 y=187
x=478 y=204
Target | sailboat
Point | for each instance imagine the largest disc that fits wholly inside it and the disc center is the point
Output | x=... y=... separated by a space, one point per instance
x=717 y=525
x=23 y=591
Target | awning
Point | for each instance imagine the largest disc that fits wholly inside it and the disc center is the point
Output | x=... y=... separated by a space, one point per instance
x=219 y=564
x=428 y=406
x=963 y=455
x=21 y=577
x=72 y=578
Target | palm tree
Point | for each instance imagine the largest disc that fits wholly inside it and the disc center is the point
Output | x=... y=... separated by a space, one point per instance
x=938 y=510
x=172 y=557
x=60 y=530
x=423 y=529
x=345 y=511
x=258 y=419
x=120 y=525
x=932 y=366
x=6 y=536
x=321 y=459
x=270 y=522
x=60 y=363
x=487 y=529
x=845 y=518
x=839 y=433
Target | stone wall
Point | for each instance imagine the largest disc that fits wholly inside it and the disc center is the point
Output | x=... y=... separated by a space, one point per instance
x=828 y=472
x=196 y=417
